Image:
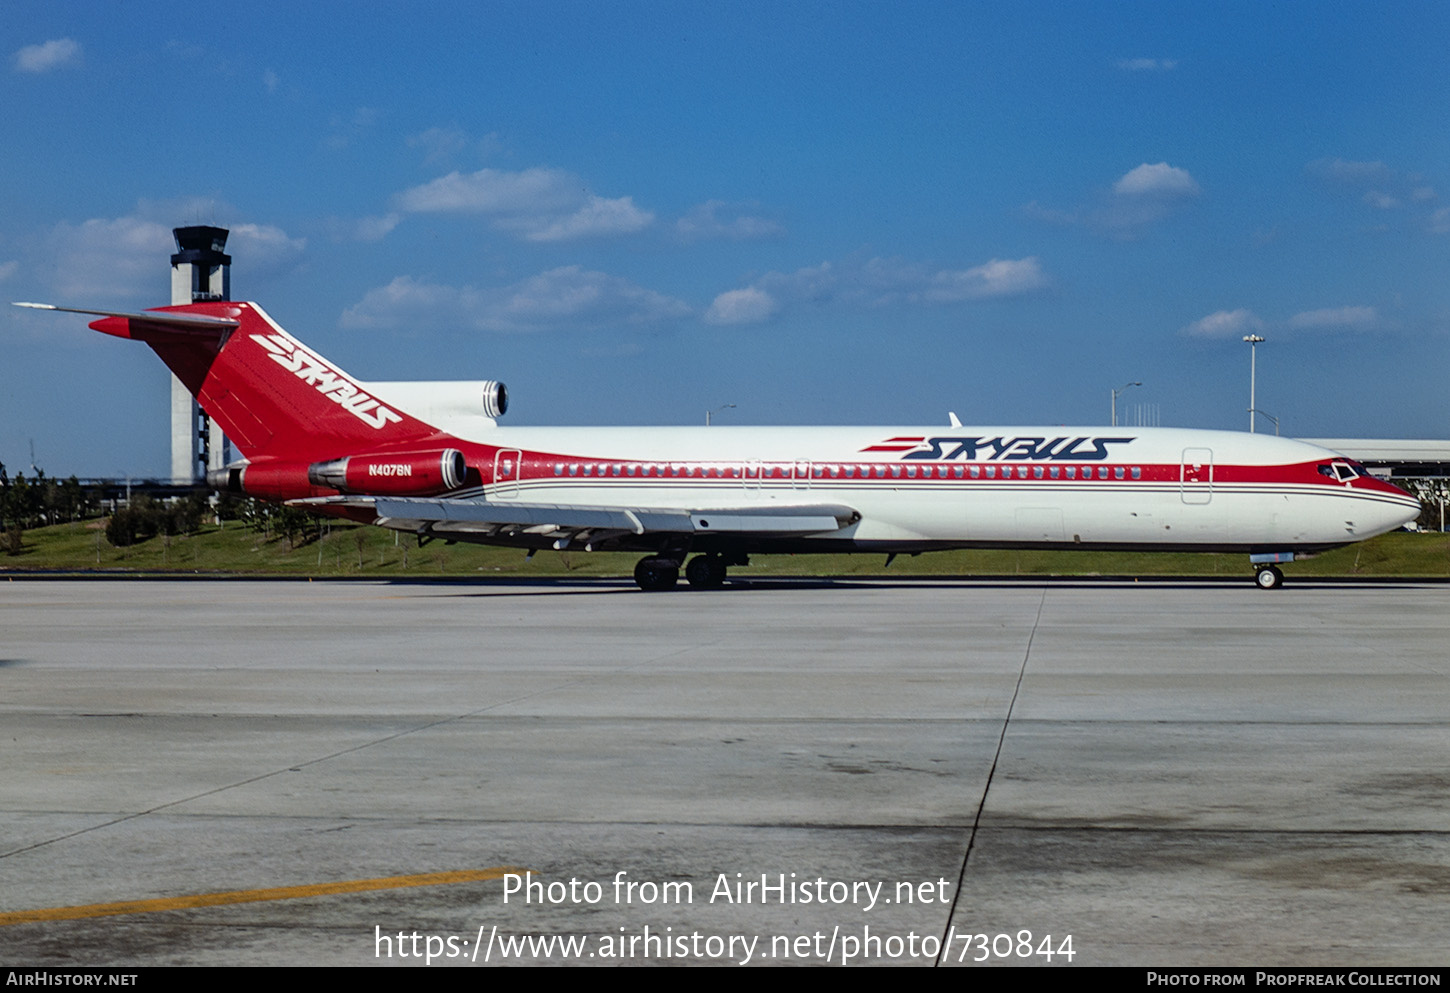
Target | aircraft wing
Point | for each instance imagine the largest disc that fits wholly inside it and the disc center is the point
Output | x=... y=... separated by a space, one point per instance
x=566 y=522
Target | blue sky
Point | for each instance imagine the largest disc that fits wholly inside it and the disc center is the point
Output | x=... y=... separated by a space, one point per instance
x=823 y=213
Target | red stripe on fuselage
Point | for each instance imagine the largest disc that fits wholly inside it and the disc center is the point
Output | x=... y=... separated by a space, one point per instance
x=540 y=468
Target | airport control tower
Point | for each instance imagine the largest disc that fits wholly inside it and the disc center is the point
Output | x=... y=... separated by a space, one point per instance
x=200 y=270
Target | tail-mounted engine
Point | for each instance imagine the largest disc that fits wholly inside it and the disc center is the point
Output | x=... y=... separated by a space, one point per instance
x=394 y=474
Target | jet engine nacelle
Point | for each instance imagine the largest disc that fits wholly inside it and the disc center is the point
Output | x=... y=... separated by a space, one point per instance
x=396 y=474
x=264 y=480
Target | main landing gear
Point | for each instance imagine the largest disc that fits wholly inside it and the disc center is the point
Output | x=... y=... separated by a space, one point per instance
x=654 y=574
x=706 y=572
x=657 y=572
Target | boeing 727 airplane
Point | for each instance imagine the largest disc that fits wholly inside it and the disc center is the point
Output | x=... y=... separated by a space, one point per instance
x=431 y=460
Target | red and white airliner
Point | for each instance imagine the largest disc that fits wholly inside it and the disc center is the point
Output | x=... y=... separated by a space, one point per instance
x=430 y=459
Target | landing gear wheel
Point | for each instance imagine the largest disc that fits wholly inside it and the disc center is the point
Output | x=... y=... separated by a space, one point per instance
x=706 y=572
x=1269 y=577
x=654 y=574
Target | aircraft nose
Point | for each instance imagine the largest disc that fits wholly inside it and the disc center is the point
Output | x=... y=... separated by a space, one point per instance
x=1383 y=510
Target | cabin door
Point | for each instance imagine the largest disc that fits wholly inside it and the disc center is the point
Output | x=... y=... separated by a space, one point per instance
x=1195 y=475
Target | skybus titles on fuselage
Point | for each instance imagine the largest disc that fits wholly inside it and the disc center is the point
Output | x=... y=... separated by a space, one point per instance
x=1011 y=449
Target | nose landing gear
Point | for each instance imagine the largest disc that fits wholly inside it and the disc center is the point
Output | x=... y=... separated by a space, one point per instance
x=1268 y=577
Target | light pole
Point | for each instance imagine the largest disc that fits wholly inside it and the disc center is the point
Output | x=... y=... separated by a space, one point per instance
x=711 y=413
x=1253 y=341
x=1117 y=393
x=1265 y=413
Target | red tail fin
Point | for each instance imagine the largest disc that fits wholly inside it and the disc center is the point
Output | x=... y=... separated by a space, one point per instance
x=273 y=396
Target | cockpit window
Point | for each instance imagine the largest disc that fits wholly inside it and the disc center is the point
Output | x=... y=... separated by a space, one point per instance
x=1342 y=472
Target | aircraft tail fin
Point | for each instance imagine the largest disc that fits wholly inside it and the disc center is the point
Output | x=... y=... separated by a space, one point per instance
x=274 y=397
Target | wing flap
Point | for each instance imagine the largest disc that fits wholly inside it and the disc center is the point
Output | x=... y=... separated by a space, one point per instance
x=774 y=520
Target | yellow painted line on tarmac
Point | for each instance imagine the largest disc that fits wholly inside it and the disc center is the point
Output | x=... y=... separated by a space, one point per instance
x=252 y=896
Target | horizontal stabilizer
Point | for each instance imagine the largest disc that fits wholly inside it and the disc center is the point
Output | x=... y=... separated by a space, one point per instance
x=179 y=321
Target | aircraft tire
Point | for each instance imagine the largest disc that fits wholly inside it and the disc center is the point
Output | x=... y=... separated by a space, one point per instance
x=1269 y=577
x=654 y=574
x=706 y=572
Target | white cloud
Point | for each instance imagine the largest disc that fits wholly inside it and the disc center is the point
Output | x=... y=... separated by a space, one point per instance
x=56 y=54
x=1351 y=173
x=345 y=130
x=719 y=219
x=8 y=269
x=493 y=191
x=815 y=282
x=266 y=249
x=1147 y=65
x=567 y=298
x=1237 y=323
x=995 y=279
x=538 y=204
x=445 y=144
x=375 y=228
x=748 y=306
x=1224 y=324
x=127 y=257
x=575 y=296
x=1383 y=188
x=597 y=218
x=1140 y=198
x=1160 y=180
x=877 y=282
x=891 y=281
x=407 y=301
x=101 y=259
x=439 y=144
x=1335 y=319
x=271 y=81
